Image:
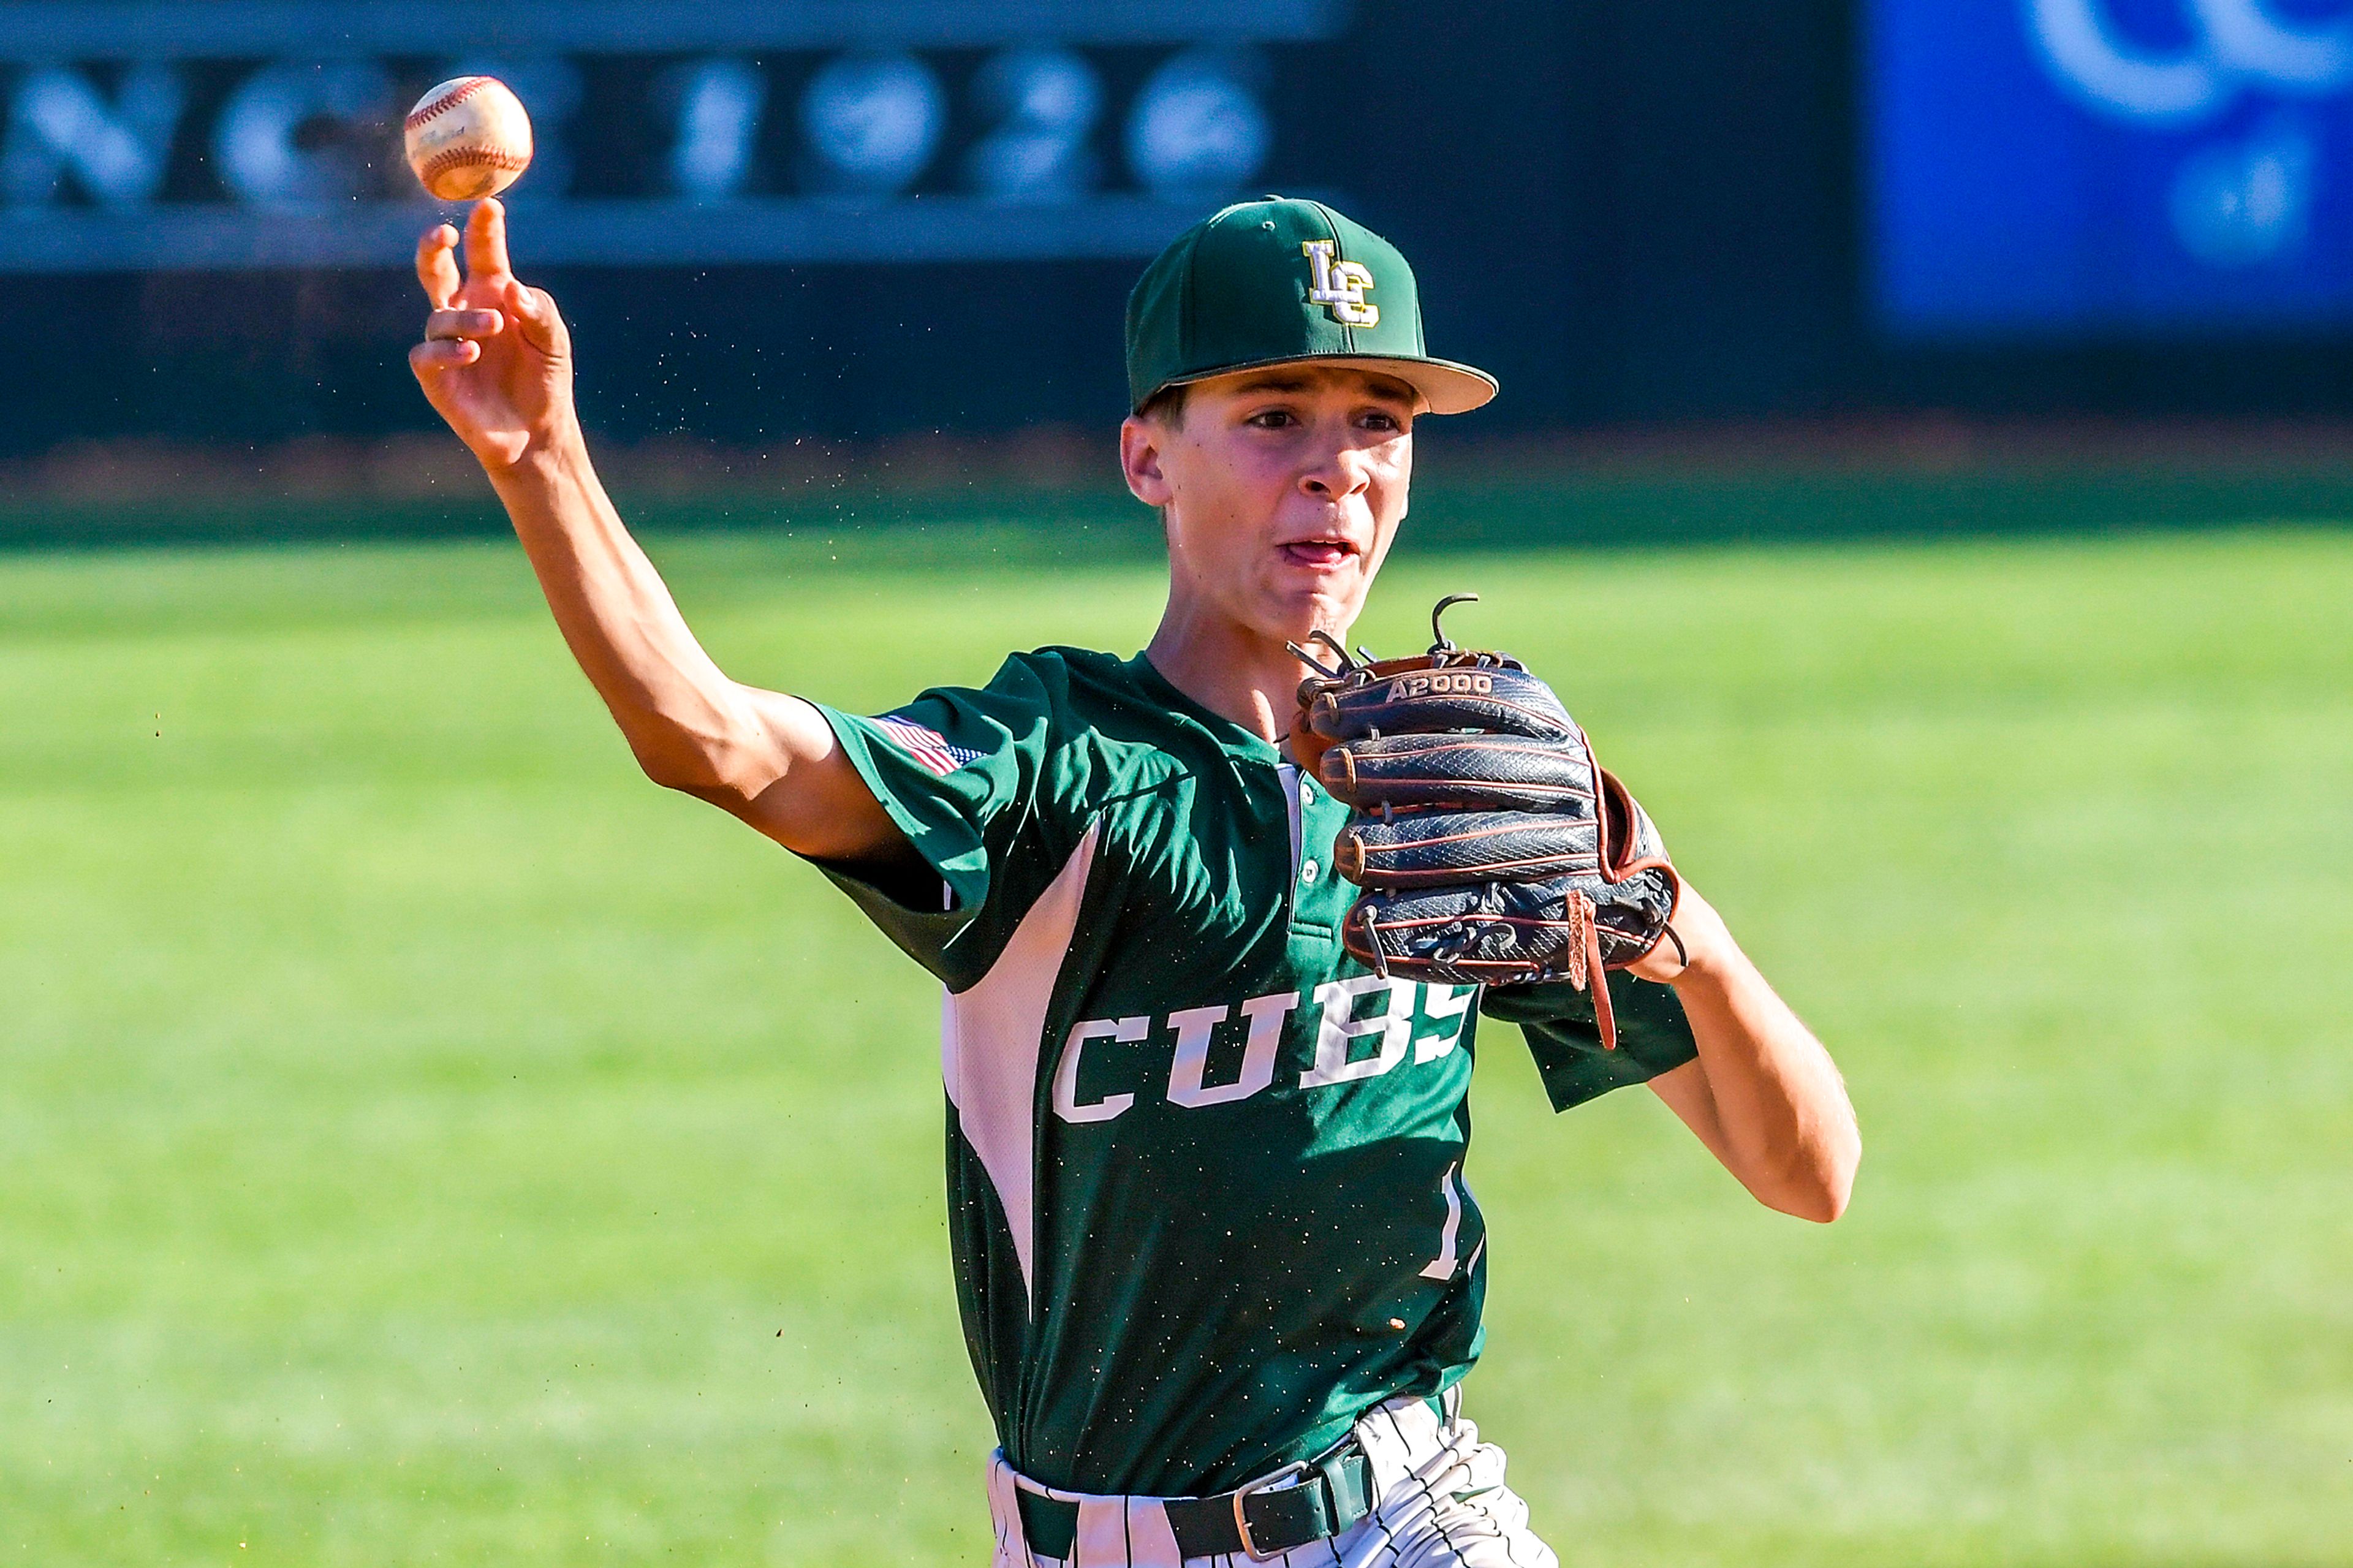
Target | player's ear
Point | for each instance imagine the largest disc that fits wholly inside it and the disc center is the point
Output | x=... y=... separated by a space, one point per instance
x=1139 y=460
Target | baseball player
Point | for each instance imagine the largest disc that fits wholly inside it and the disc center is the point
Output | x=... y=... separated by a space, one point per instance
x=1215 y=943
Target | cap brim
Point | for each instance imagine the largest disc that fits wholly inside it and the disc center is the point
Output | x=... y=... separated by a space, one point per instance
x=1445 y=387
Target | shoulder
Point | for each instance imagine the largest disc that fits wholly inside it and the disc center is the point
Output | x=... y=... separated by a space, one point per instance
x=1064 y=671
x=1091 y=695
x=1110 y=731
x=1055 y=704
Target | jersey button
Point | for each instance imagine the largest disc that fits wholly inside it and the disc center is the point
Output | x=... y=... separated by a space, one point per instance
x=1307 y=873
x=1307 y=793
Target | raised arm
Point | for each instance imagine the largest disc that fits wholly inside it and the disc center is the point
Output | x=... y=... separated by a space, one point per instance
x=496 y=363
x=1763 y=1095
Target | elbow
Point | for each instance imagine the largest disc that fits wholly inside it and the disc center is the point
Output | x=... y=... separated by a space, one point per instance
x=1820 y=1204
x=1820 y=1188
x=685 y=768
x=714 y=750
x=694 y=765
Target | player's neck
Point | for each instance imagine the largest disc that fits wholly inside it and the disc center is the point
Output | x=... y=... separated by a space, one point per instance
x=1232 y=671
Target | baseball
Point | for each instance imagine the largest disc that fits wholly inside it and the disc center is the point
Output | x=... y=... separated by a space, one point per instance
x=468 y=138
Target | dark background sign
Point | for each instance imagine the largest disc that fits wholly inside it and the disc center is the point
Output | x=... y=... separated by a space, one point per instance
x=206 y=135
x=845 y=219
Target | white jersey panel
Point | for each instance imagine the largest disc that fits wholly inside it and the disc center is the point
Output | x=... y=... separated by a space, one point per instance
x=990 y=1039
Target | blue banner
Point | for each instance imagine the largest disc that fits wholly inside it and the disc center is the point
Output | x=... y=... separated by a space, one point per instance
x=2119 y=167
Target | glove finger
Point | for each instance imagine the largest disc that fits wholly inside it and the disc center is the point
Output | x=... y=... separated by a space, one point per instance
x=1468 y=773
x=1463 y=697
x=1633 y=915
x=1498 y=935
x=1633 y=841
x=1425 y=849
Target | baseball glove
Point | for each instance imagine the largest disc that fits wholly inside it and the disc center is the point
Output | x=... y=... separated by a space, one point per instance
x=1491 y=846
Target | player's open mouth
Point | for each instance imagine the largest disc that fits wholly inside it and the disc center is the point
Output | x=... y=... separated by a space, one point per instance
x=1321 y=554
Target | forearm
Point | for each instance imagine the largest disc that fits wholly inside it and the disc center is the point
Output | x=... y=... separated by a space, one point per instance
x=1769 y=1101
x=690 y=727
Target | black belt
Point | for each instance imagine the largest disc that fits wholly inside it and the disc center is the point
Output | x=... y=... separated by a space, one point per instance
x=1292 y=1508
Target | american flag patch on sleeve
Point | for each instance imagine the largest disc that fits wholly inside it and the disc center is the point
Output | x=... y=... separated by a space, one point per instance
x=928 y=747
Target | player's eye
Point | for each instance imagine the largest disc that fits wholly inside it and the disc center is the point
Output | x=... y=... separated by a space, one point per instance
x=1273 y=420
x=1382 y=419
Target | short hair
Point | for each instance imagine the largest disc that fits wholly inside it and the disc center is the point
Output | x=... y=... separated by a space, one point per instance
x=1166 y=405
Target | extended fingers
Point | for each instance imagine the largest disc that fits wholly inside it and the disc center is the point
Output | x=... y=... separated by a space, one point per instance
x=534 y=312
x=486 y=240
x=443 y=354
x=437 y=265
x=449 y=325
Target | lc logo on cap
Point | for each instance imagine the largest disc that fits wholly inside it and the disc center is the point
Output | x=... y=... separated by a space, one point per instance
x=1339 y=286
x=1262 y=283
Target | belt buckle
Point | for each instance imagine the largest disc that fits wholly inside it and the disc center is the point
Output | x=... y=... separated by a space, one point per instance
x=1241 y=1494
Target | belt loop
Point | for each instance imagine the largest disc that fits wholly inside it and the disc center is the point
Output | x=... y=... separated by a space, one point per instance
x=1005 y=1509
x=1347 y=1483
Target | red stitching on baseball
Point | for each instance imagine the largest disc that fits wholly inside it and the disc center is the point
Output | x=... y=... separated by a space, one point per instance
x=467 y=88
x=464 y=157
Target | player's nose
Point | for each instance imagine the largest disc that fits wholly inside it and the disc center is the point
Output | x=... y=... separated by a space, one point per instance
x=1336 y=473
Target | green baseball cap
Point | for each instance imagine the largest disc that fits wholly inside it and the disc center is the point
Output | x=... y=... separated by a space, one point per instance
x=1282 y=281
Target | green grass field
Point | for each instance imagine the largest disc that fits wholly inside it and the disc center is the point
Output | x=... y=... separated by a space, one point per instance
x=421 y=1140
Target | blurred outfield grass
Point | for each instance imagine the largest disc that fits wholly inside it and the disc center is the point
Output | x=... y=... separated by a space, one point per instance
x=422 y=1141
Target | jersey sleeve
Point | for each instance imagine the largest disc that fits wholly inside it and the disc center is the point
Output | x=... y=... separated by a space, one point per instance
x=1653 y=1035
x=959 y=769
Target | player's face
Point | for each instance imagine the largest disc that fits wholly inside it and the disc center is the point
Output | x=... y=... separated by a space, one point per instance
x=1282 y=490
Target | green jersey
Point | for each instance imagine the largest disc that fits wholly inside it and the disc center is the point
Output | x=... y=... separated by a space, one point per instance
x=1205 y=1171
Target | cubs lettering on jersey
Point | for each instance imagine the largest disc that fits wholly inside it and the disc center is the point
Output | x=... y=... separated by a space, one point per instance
x=1340 y=1055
